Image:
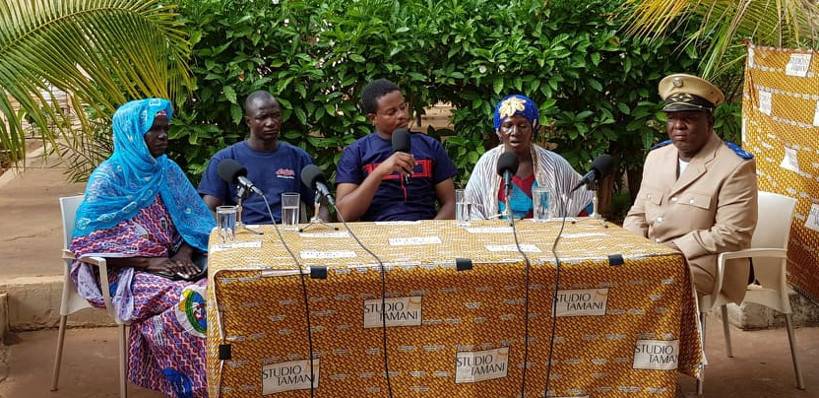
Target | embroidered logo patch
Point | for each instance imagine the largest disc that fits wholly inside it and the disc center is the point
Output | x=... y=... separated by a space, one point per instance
x=286 y=173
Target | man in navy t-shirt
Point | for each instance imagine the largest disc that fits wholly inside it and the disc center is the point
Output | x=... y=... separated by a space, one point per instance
x=272 y=165
x=369 y=177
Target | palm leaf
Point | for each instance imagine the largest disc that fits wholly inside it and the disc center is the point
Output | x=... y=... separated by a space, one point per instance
x=724 y=23
x=102 y=52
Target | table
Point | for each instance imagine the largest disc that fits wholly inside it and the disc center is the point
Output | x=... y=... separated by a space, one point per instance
x=626 y=312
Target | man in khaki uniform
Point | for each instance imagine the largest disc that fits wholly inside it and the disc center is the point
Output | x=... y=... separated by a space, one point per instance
x=698 y=195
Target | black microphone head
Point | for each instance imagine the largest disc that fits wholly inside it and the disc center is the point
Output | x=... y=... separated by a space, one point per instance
x=508 y=161
x=229 y=170
x=311 y=174
x=603 y=165
x=401 y=141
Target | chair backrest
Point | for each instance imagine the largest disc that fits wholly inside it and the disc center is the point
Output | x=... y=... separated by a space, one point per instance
x=68 y=210
x=773 y=229
x=71 y=300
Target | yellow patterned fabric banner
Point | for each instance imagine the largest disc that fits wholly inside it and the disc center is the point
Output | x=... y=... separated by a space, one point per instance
x=780 y=124
x=626 y=314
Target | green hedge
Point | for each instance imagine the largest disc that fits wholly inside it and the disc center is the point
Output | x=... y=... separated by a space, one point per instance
x=596 y=89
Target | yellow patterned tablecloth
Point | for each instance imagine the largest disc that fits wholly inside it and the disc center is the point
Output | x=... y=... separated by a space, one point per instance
x=623 y=330
x=780 y=120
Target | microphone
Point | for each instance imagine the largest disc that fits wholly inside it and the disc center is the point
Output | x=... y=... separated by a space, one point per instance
x=401 y=142
x=507 y=167
x=313 y=178
x=601 y=167
x=232 y=172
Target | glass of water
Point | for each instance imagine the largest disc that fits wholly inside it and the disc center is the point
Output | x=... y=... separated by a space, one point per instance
x=290 y=210
x=226 y=222
x=462 y=208
x=541 y=204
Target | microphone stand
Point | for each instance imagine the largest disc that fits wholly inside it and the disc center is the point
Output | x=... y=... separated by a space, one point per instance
x=595 y=216
x=508 y=210
x=241 y=194
x=592 y=186
x=316 y=221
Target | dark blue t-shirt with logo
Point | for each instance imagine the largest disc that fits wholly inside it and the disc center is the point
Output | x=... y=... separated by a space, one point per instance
x=273 y=172
x=395 y=201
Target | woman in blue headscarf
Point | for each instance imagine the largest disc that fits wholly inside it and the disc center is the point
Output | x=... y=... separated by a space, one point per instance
x=516 y=120
x=145 y=218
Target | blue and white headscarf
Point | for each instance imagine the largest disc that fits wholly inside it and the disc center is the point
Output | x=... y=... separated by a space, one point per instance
x=516 y=104
x=131 y=178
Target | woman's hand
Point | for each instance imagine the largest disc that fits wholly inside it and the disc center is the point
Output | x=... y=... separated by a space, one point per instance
x=184 y=264
x=172 y=266
x=162 y=265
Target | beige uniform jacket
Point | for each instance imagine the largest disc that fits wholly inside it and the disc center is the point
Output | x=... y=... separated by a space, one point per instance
x=711 y=208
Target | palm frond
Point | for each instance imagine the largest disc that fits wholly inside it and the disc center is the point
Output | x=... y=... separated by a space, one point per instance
x=103 y=52
x=724 y=23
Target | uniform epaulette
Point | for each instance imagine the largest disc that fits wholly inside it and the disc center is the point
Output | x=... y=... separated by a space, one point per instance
x=739 y=151
x=660 y=144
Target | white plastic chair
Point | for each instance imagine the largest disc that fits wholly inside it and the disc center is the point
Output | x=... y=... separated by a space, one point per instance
x=769 y=251
x=73 y=302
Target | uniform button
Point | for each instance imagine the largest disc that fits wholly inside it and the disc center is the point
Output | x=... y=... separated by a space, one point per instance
x=657 y=240
x=659 y=220
x=691 y=201
x=674 y=199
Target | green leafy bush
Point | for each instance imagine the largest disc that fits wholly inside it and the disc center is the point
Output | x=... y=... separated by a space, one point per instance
x=596 y=90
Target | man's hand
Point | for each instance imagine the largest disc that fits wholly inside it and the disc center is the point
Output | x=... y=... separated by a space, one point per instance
x=400 y=162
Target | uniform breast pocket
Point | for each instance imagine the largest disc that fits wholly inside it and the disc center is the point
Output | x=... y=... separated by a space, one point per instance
x=651 y=202
x=697 y=209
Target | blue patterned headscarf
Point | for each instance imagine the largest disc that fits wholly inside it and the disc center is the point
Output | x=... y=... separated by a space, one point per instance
x=131 y=178
x=516 y=104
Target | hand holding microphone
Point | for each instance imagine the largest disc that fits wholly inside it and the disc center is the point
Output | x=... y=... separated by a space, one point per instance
x=401 y=160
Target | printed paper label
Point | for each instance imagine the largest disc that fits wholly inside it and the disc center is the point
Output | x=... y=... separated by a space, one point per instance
x=489 y=230
x=790 y=161
x=526 y=248
x=765 y=99
x=415 y=240
x=656 y=354
x=812 y=222
x=289 y=376
x=401 y=311
x=590 y=302
x=471 y=367
x=816 y=115
x=316 y=254
x=248 y=244
x=583 y=235
x=396 y=222
x=798 y=65
x=320 y=235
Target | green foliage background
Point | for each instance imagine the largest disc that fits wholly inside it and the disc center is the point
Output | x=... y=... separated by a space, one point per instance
x=596 y=88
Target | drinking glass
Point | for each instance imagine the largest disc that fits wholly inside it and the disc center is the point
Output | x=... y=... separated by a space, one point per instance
x=290 y=210
x=542 y=204
x=226 y=222
x=462 y=208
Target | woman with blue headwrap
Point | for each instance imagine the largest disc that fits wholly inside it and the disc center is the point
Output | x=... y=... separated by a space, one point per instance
x=145 y=218
x=516 y=121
